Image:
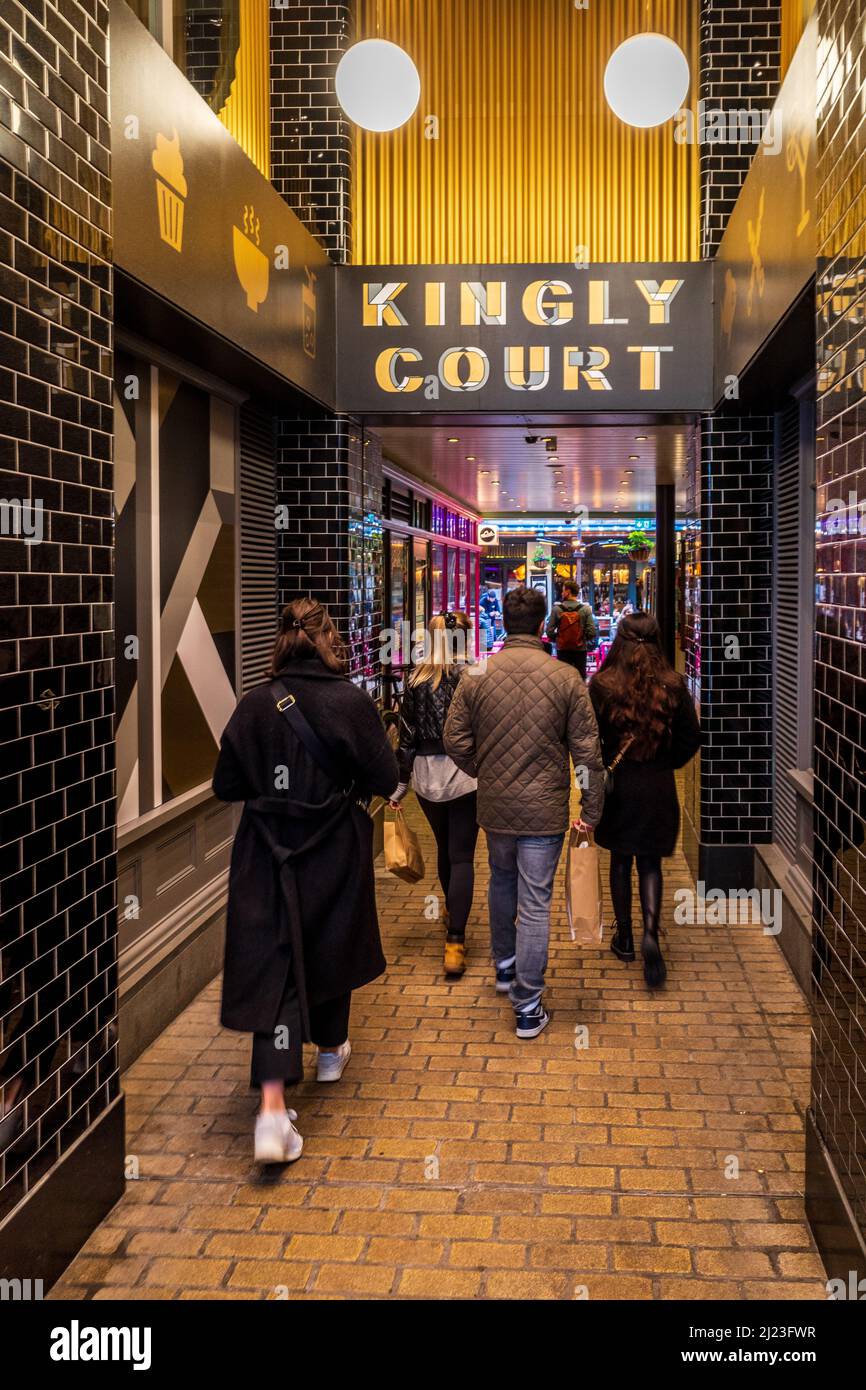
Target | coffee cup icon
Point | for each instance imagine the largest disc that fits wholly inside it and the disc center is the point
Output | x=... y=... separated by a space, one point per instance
x=252 y=269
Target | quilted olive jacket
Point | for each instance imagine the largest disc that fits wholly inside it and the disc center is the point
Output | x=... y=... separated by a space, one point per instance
x=513 y=728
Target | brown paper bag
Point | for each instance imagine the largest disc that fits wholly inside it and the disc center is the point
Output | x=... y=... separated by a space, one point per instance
x=403 y=856
x=583 y=889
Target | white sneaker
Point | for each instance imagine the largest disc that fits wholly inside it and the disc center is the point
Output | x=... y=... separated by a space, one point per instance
x=277 y=1140
x=331 y=1065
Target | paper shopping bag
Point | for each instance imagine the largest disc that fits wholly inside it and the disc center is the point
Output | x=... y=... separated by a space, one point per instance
x=583 y=889
x=403 y=856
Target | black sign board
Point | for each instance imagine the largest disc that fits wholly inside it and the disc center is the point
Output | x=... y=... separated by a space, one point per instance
x=525 y=337
x=767 y=254
x=197 y=222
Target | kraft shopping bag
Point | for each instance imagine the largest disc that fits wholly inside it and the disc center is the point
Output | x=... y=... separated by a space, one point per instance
x=403 y=856
x=583 y=889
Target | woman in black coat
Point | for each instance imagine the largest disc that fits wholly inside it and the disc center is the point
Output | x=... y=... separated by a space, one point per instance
x=648 y=728
x=304 y=752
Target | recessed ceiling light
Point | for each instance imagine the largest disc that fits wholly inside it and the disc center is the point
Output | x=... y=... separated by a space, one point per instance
x=470 y=458
x=633 y=458
x=453 y=439
x=485 y=472
x=629 y=472
x=641 y=438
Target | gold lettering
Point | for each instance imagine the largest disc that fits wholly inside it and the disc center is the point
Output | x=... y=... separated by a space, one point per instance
x=590 y=364
x=482 y=302
x=476 y=363
x=379 y=307
x=386 y=369
x=434 y=303
x=540 y=303
x=650 y=366
x=660 y=297
x=518 y=377
x=599 y=303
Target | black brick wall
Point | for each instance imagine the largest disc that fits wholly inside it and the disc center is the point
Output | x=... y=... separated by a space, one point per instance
x=839 y=995
x=740 y=55
x=728 y=650
x=311 y=139
x=329 y=477
x=58 y=977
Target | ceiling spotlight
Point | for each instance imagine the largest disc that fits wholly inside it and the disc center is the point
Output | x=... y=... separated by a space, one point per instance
x=470 y=458
x=629 y=472
x=377 y=85
x=485 y=472
x=453 y=439
x=633 y=458
x=641 y=438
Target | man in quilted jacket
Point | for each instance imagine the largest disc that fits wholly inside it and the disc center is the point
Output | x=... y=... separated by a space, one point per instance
x=513 y=727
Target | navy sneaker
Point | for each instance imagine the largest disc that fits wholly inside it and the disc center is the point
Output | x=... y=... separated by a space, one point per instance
x=505 y=977
x=533 y=1022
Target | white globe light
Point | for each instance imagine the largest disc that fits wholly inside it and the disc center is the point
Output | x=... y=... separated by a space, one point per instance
x=377 y=85
x=646 y=80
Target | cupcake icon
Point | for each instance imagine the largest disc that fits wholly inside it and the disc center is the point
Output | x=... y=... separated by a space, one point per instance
x=170 y=188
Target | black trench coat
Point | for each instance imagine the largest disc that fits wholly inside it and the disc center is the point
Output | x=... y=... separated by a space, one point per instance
x=314 y=914
x=642 y=810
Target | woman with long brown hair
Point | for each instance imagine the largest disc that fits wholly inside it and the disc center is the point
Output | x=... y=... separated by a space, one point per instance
x=304 y=752
x=649 y=728
x=446 y=795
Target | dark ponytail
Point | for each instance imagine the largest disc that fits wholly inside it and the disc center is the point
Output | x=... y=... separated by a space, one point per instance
x=306 y=632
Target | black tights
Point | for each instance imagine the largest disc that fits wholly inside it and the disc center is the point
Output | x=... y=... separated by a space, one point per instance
x=649 y=877
x=454 y=825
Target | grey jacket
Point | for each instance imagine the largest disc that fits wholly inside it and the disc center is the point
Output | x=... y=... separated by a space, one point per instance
x=513 y=728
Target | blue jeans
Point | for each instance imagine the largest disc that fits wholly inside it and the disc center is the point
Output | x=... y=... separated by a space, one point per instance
x=522 y=870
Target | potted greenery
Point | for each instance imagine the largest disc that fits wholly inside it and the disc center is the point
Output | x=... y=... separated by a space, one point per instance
x=637 y=545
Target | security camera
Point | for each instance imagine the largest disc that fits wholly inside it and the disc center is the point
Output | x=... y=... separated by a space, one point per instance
x=530 y=439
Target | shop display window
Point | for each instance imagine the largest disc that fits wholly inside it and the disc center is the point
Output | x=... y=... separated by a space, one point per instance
x=175 y=604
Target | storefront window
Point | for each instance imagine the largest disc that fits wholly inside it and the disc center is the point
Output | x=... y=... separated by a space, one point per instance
x=420 y=584
x=452 y=578
x=399 y=578
x=437 y=554
x=175 y=604
x=463 y=573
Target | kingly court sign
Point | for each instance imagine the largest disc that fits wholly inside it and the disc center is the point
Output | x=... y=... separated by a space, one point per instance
x=519 y=337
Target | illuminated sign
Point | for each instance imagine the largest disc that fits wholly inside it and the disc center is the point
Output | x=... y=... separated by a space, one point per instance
x=617 y=336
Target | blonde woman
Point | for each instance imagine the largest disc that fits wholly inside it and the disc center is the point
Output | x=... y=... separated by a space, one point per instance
x=446 y=795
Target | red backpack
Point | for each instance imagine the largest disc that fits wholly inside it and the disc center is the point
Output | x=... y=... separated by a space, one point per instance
x=570 y=634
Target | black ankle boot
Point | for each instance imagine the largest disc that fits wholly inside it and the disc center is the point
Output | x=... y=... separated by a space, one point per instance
x=622 y=942
x=654 y=969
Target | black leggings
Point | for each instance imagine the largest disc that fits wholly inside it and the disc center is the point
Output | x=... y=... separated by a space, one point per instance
x=649 y=877
x=455 y=828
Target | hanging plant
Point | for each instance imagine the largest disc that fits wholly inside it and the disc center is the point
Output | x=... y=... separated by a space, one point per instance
x=540 y=559
x=637 y=546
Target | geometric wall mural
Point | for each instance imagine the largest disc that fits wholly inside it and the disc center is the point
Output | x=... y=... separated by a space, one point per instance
x=176 y=539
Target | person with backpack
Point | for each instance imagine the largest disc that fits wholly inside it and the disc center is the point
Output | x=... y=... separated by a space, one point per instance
x=304 y=752
x=572 y=628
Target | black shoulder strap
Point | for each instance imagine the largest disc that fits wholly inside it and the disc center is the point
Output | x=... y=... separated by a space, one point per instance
x=287 y=705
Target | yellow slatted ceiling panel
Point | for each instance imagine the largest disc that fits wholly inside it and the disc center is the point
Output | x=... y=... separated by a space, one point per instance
x=795 y=17
x=246 y=113
x=530 y=162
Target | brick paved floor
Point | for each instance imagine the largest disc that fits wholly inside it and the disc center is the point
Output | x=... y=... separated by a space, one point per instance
x=454 y=1161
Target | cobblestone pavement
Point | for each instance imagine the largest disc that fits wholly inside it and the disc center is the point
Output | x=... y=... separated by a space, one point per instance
x=453 y=1161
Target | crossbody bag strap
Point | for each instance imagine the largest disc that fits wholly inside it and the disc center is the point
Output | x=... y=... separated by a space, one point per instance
x=621 y=754
x=288 y=707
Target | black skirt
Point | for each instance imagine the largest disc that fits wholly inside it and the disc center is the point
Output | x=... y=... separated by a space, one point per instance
x=642 y=812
